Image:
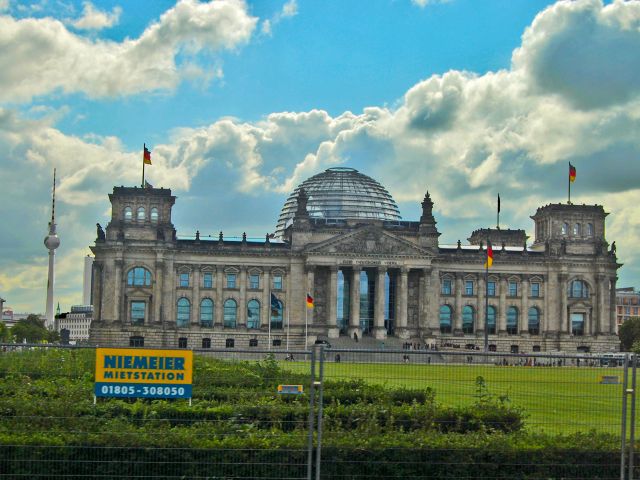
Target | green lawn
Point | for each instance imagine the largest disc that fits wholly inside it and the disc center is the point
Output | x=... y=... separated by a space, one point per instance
x=556 y=400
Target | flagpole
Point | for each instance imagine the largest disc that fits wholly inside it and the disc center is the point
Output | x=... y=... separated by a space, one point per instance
x=288 y=329
x=569 y=184
x=486 y=303
x=306 y=327
x=269 y=322
x=143 y=150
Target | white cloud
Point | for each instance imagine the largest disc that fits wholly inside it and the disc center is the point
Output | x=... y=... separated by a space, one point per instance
x=4 y=5
x=289 y=9
x=40 y=56
x=94 y=19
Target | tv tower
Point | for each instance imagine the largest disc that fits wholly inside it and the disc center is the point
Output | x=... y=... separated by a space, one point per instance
x=52 y=242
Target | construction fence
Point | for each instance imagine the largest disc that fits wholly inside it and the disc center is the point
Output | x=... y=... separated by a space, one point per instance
x=325 y=414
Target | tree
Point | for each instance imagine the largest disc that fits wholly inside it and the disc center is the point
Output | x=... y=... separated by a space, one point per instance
x=5 y=333
x=629 y=333
x=31 y=329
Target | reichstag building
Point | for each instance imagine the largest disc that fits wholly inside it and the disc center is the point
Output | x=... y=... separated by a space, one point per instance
x=371 y=277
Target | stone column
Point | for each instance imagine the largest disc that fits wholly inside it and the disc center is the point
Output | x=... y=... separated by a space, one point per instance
x=195 y=297
x=169 y=297
x=550 y=322
x=265 y=310
x=117 y=297
x=157 y=292
x=402 y=300
x=457 y=315
x=218 y=317
x=423 y=302
x=564 y=321
x=502 y=308
x=602 y=316
x=97 y=291
x=242 y=308
x=354 y=303
x=378 y=316
x=611 y=307
x=433 y=307
x=524 y=306
x=481 y=315
x=332 y=329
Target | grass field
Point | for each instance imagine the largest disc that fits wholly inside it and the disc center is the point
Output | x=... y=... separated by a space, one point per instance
x=555 y=399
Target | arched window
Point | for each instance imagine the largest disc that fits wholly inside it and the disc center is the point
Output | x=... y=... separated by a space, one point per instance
x=579 y=289
x=512 y=320
x=154 y=215
x=491 y=319
x=577 y=229
x=590 y=229
x=534 y=321
x=468 y=319
x=141 y=214
x=230 y=313
x=139 y=276
x=184 y=312
x=128 y=214
x=253 y=314
x=206 y=313
x=565 y=229
x=445 y=319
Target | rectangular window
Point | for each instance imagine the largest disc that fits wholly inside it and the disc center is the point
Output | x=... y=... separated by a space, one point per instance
x=277 y=282
x=184 y=279
x=206 y=343
x=254 y=281
x=491 y=289
x=468 y=287
x=446 y=287
x=513 y=289
x=253 y=342
x=182 y=342
x=207 y=280
x=138 y=313
x=136 y=341
x=276 y=342
x=535 y=289
x=230 y=343
x=231 y=280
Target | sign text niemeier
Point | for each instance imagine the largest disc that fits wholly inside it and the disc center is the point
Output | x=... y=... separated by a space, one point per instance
x=145 y=373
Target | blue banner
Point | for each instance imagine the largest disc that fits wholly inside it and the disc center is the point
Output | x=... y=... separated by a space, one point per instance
x=142 y=390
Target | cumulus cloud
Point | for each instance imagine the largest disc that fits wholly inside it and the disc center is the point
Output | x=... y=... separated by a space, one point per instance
x=424 y=3
x=4 y=5
x=40 y=56
x=462 y=136
x=95 y=19
x=585 y=52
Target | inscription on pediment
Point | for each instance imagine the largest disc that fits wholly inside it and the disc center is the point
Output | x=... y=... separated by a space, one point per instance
x=371 y=242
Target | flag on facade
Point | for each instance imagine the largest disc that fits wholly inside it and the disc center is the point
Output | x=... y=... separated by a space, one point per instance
x=572 y=173
x=276 y=305
x=309 y=301
x=489 y=260
x=146 y=156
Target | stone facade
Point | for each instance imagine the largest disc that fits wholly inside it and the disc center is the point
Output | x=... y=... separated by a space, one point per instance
x=368 y=278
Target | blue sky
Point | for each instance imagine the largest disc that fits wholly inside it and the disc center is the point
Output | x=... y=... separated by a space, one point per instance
x=241 y=101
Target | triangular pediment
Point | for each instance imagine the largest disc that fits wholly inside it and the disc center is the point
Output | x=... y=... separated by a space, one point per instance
x=370 y=241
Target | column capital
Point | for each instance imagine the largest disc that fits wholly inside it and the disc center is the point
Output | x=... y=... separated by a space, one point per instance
x=382 y=270
x=404 y=270
x=118 y=262
x=333 y=269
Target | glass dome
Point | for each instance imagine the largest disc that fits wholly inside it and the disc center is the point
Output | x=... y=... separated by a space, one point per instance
x=341 y=193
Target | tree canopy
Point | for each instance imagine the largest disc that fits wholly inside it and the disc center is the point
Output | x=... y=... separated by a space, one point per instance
x=32 y=330
x=629 y=333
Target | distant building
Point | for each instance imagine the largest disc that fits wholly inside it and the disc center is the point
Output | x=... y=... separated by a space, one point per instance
x=627 y=304
x=77 y=322
x=10 y=318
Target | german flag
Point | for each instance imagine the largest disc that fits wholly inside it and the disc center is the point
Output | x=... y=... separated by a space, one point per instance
x=146 y=156
x=489 y=262
x=309 y=301
x=572 y=173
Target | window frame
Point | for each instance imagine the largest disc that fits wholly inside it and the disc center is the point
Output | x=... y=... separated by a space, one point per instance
x=446 y=286
x=183 y=312
x=254 y=281
x=228 y=310
x=231 y=280
x=469 y=288
x=207 y=322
